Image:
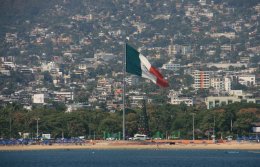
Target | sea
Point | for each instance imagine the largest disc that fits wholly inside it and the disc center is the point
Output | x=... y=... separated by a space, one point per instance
x=130 y=158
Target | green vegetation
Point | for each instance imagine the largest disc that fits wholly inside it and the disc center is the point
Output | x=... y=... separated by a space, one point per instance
x=166 y=120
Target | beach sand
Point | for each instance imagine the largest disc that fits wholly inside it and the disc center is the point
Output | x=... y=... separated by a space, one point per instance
x=110 y=145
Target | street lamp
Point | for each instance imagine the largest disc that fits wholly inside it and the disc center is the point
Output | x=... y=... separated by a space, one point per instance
x=37 y=126
x=193 y=131
x=213 y=136
x=10 y=126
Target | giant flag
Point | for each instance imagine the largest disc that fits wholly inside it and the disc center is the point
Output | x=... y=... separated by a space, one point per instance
x=137 y=64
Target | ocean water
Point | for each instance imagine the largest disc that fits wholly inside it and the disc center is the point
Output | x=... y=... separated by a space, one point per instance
x=130 y=158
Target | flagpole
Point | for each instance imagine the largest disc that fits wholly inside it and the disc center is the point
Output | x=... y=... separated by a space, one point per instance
x=124 y=73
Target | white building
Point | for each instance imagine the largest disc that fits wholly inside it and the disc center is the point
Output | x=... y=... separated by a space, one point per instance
x=132 y=80
x=236 y=92
x=174 y=49
x=226 y=48
x=226 y=65
x=247 y=80
x=10 y=37
x=104 y=56
x=82 y=66
x=75 y=107
x=183 y=49
x=227 y=84
x=176 y=100
x=221 y=83
x=136 y=101
x=63 y=96
x=171 y=66
x=230 y=35
x=217 y=101
x=5 y=72
x=203 y=2
x=217 y=83
x=8 y=64
x=38 y=98
x=49 y=66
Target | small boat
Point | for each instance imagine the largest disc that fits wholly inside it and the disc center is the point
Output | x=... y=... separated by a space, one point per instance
x=232 y=152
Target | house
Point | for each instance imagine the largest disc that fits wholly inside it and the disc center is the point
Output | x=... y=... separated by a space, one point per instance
x=176 y=100
x=247 y=80
x=5 y=72
x=104 y=56
x=132 y=80
x=230 y=35
x=63 y=96
x=75 y=107
x=38 y=98
x=135 y=101
x=171 y=66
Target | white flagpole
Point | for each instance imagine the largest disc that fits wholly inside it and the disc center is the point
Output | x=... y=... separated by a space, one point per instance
x=124 y=73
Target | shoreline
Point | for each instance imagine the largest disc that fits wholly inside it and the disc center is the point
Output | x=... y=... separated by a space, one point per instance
x=125 y=145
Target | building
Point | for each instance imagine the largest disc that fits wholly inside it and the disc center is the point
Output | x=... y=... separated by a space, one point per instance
x=104 y=56
x=10 y=37
x=136 y=101
x=247 y=80
x=203 y=2
x=63 y=96
x=171 y=66
x=217 y=83
x=230 y=35
x=221 y=83
x=132 y=80
x=226 y=65
x=176 y=100
x=186 y=50
x=201 y=79
x=5 y=72
x=217 y=101
x=226 y=48
x=48 y=66
x=38 y=98
x=174 y=49
x=25 y=70
x=75 y=107
x=8 y=64
x=227 y=84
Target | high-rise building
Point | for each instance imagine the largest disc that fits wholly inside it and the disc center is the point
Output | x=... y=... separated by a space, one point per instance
x=201 y=79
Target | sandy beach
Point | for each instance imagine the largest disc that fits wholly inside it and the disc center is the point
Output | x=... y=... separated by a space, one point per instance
x=104 y=145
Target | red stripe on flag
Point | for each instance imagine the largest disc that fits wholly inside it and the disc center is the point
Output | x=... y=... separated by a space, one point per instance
x=155 y=72
x=160 y=81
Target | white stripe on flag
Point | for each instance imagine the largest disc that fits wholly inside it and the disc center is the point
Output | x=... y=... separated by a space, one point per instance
x=145 y=66
x=145 y=61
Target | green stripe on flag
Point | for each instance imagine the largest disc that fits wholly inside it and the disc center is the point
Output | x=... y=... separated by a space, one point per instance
x=133 y=63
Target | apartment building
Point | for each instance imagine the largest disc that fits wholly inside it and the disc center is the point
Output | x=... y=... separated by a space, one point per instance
x=201 y=79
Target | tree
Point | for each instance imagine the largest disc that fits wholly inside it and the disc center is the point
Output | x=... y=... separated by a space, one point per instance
x=47 y=77
x=131 y=124
x=110 y=125
x=187 y=80
x=244 y=119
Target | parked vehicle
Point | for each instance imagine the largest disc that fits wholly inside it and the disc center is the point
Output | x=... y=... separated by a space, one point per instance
x=140 y=137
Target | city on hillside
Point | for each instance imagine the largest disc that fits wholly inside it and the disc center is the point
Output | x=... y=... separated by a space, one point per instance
x=71 y=53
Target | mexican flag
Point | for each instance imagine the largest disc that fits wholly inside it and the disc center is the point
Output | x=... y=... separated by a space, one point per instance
x=137 y=64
